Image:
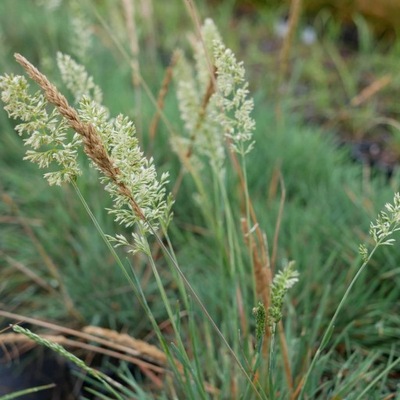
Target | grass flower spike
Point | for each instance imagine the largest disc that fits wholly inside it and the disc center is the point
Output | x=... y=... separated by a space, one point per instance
x=282 y=282
x=49 y=138
x=77 y=80
x=139 y=198
x=231 y=97
x=81 y=35
x=260 y=317
x=213 y=100
x=387 y=223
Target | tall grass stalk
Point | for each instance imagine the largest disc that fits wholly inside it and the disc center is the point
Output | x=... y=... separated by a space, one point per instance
x=139 y=198
x=387 y=223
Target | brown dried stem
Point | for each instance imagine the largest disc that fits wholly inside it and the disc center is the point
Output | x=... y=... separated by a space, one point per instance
x=261 y=272
x=278 y=224
x=147 y=357
x=211 y=87
x=294 y=15
x=371 y=90
x=131 y=350
x=161 y=95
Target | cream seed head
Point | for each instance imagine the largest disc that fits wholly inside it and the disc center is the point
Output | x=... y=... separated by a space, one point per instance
x=213 y=100
x=282 y=282
x=54 y=137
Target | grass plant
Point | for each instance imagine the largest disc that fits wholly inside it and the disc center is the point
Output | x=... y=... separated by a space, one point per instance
x=242 y=211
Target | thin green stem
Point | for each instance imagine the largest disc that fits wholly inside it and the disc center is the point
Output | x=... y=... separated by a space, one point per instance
x=204 y=310
x=134 y=283
x=329 y=329
x=249 y=223
x=256 y=364
x=21 y=393
x=271 y=353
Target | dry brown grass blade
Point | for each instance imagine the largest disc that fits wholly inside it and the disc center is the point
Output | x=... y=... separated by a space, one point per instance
x=168 y=76
x=184 y=156
x=371 y=90
x=294 y=15
x=143 y=348
x=278 y=224
x=148 y=363
x=274 y=183
x=283 y=67
x=76 y=333
x=15 y=339
x=262 y=275
x=260 y=269
x=29 y=273
x=120 y=346
x=297 y=390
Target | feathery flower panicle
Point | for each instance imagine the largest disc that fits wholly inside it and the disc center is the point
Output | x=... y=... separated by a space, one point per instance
x=189 y=98
x=48 y=134
x=95 y=114
x=213 y=99
x=204 y=54
x=194 y=94
x=80 y=33
x=282 y=282
x=135 y=171
x=387 y=223
x=77 y=80
x=139 y=198
x=232 y=99
x=363 y=250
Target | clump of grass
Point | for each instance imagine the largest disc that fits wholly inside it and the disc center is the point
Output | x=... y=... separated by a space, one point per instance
x=217 y=144
x=139 y=199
